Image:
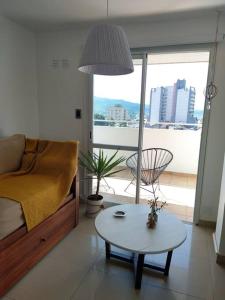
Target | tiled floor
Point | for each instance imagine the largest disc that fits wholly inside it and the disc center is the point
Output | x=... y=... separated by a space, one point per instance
x=76 y=270
x=178 y=190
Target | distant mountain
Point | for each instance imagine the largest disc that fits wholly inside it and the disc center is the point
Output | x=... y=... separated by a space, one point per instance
x=101 y=106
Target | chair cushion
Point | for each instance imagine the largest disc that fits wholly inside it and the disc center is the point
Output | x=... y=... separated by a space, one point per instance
x=11 y=152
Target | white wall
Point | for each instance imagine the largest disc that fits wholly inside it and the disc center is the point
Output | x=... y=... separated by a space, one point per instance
x=220 y=224
x=62 y=90
x=215 y=144
x=18 y=80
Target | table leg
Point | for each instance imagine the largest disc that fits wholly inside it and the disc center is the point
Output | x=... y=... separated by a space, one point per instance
x=107 y=250
x=138 y=261
x=139 y=270
x=168 y=261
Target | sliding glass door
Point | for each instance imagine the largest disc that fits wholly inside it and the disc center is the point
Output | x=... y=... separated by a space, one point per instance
x=175 y=102
x=160 y=105
x=116 y=126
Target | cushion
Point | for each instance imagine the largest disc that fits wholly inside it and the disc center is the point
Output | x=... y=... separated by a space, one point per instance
x=11 y=216
x=11 y=152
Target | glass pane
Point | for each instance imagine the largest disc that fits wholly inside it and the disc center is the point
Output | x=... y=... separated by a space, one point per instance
x=175 y=89
x=116 y=108
x=174 y=113
x=117 y=188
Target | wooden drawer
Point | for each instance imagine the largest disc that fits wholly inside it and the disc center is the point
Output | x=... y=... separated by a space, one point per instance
x=20 y=257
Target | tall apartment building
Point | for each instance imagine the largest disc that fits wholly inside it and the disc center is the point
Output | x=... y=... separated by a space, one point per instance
x=118 y=113
x=172 y=104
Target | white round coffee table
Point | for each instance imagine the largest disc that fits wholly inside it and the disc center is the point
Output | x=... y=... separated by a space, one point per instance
x=132 y=234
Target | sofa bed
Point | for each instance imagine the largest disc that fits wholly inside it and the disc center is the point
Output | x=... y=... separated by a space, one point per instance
x=39 y=201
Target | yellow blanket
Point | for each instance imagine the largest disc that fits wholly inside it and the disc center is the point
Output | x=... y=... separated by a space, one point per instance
x=44 y=179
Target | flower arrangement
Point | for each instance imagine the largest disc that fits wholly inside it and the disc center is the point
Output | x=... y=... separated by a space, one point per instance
x=155 y=209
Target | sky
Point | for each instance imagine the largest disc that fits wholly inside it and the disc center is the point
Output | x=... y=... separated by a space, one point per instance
x=128 y=87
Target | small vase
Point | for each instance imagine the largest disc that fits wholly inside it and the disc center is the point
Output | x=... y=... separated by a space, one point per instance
x=152 y=218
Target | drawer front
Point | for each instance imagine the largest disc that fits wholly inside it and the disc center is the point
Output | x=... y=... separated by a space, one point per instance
x=18 y=258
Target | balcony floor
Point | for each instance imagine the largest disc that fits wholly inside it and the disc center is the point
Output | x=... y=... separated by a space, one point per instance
x=178 y=190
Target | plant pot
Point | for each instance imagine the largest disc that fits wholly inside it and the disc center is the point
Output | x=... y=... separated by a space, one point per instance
x=94 y=205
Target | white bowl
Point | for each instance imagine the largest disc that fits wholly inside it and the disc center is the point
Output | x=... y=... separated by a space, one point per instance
x=119 y=213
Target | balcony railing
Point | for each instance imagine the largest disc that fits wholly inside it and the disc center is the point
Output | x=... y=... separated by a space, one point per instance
x=147 y=124
x=183 y=143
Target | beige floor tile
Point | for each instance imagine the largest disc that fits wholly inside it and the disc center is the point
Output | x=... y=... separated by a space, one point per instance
x=190 y=270
x=176 y=189
x=190 y=211
x=76 y=269
x=193 y=280
x=218 y=279
x=113 y=267
x=181 y=217
x=200 y=232
x=100 y=286
x=189 y=219
x=197 y=244
x=165 y=179
x=123 y=174
x=120 y=199
x=176 y=209
x=47 y=281
x=179 y=180
x=191 y=181
x=59 y=273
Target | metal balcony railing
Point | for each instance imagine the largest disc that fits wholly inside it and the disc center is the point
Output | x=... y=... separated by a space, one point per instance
x=147 y=124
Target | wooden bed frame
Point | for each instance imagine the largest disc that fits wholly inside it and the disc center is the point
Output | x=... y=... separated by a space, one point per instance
x=21 y=250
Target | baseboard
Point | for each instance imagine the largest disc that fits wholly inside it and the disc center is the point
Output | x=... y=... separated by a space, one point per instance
x=179 y=173
x=220 y=259
x=210 y=224
x=215 y=243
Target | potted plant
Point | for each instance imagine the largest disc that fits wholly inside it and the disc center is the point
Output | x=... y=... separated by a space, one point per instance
x=155 y=208
x=98 y=167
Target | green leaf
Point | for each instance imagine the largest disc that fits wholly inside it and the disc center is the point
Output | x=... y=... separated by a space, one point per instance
x=114 y=172
x=101 y=165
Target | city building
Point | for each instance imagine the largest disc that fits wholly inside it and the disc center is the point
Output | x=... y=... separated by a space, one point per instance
x=172 y=104
x=117 y=113
x=185 y=106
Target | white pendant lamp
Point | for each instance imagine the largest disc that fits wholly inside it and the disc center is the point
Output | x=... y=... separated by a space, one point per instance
x=106 y=51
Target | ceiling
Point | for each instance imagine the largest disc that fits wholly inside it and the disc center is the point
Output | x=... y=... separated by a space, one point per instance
x=43 y=14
